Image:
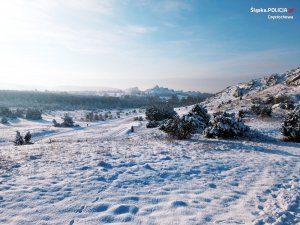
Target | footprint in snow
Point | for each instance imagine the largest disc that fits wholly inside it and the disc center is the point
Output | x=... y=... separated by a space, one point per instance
x=212 y=185
x=127 y=219
x=148 y=167
x=126 y=209
x=107 y=219
x=267 y=191
x=177 y=204
x=85 y=168
x=260 y=207
x=166 y=158
x=105 y=165
x=207 y=200
x=35 y=157
x=81 y=209
x=261 y=199
x=100 y=208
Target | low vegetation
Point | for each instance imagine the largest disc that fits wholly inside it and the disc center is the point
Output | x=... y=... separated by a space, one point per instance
x=33 y=114
x=225 y=125
x=19 y=140
x=67 y=122
x=179 y=127
x=183 y=127
x=291 y=126
x=262 y=110
x=4 y=120
x=157 y=114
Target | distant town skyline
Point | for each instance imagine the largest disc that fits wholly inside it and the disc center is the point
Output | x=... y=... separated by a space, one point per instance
x=198 y=45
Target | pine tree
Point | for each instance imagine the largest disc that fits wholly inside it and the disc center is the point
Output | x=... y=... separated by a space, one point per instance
x=199 y=117
x=55 y=123
x=96 y=117
x=262 y=110
x=179 y=127
x=159 y=113
x=101 y=117
x=68 y=121
x=4 y=120
x=18 y=139
x=291 y=126
x=225 y=125
x=27 y=138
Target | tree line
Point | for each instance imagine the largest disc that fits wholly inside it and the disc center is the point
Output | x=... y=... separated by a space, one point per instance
x=66 y=101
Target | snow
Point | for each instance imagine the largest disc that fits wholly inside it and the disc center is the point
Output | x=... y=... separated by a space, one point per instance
x=104 y=173
x=227 y=100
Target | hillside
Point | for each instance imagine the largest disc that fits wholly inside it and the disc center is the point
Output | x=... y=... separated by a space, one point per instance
x=242 y=95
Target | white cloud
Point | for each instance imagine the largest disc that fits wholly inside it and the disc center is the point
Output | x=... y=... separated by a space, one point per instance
x=141 y=29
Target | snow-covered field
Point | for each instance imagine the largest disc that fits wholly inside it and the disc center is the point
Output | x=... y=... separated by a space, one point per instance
x=103 y=173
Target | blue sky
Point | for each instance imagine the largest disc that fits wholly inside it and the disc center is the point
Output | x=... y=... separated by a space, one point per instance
x=202 y=45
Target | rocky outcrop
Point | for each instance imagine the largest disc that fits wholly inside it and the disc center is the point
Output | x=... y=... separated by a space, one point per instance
x=293 y=77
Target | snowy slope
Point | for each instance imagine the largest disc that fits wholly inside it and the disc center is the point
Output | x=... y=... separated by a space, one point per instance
x=239 y=96
x=105 y=174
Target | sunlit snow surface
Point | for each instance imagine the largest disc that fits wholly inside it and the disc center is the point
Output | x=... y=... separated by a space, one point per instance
x=103 y=173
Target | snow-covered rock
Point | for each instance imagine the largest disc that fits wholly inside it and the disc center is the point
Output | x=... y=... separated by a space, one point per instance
x=293 y=77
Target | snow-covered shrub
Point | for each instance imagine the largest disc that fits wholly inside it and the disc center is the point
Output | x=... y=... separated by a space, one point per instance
x=153 y=124
x=287 y=105
x=67 y=121
x=5 y=112
x=263 y=101
x=157 y=114
x=284 y=102
x=96 y=117
x=241 y=114
x=138 y=118
x=18 y=139
x=291 y=126
x=280 y=98
x=101 y=118
x=89 y=117
x=225 y=125
x=272 y=80
x=27 y=138
x=92 y=117
x=199 y=117
x=179 y=127
x=262 y=110
x=19 y=113
x=55 y=123
x=183 y=127
x=33 y=114
x=4 y=120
